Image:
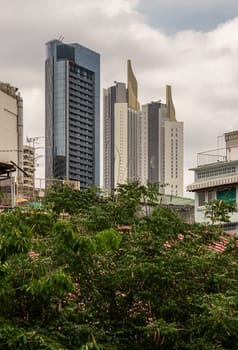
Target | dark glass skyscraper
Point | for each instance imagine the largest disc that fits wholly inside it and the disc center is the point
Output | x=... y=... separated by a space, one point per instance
x=72 y=121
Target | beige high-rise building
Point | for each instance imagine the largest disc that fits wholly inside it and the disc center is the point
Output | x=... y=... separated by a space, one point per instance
x=161 y=146
x=120 y=114
x=145 y=145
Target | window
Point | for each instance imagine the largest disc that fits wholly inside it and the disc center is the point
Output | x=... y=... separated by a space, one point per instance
x=211 y=196
x=216 y=172
x=201 y=198
x=230 y=227
x=228 y=194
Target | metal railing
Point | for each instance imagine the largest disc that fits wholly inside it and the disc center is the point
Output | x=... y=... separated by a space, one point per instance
x=211 y=156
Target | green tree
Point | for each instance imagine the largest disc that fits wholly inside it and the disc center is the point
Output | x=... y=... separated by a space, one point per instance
x=219 y=210
x=62 y=197
x=127 y=202
x=162 y=286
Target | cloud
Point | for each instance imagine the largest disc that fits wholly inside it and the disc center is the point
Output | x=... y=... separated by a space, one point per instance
x=200 y=66
x=171 y=16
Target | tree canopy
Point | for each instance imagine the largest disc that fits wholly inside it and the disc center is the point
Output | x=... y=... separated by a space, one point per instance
x=81 y=283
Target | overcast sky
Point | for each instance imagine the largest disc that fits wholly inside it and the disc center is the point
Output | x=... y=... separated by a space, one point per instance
x=189 y=44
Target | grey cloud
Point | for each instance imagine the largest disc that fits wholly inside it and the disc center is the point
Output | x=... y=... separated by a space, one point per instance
x=201 y=67
x=172 y=16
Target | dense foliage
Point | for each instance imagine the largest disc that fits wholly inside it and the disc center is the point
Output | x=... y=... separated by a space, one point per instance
x=219 y=211
x=81 y=283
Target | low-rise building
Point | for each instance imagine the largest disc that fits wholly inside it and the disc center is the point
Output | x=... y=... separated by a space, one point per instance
x=11 y=120
x=11 y=142
x=216 y=177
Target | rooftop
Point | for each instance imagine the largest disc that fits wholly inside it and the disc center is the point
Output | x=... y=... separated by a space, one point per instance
x=9 y=90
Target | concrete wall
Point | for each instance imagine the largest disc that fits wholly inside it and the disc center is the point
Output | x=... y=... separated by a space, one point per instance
x=8 y=129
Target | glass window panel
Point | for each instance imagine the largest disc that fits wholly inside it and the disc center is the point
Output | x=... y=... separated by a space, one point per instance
x=228 y=195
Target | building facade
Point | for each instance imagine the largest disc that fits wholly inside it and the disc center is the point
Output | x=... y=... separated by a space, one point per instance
x=11 y=130
x=72 y=121
x=11 y=143
x=161 y=146
x=216 y=177
x=144 y=145
x=120 y=117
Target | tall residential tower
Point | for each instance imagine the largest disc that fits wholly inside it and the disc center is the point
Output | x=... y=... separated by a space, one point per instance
x=72 y=121
x=120 y=114
x=144 y=145
x=161 y=146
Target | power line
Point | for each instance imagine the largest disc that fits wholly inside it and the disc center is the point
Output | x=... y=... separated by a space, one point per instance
x=17 y=150
x=10 y=150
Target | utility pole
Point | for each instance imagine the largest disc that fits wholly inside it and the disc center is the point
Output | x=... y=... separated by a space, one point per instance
x=34 y=140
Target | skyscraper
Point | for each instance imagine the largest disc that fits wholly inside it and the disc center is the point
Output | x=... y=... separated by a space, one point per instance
x=120 y=112
x=144 y=145
x=72 y=121
x=161 y=146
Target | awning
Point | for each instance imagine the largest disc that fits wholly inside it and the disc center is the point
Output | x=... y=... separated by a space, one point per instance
x=6 y=169
x=212 y=183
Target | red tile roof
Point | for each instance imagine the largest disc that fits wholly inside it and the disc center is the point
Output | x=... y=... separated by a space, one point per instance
x=217 y=246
